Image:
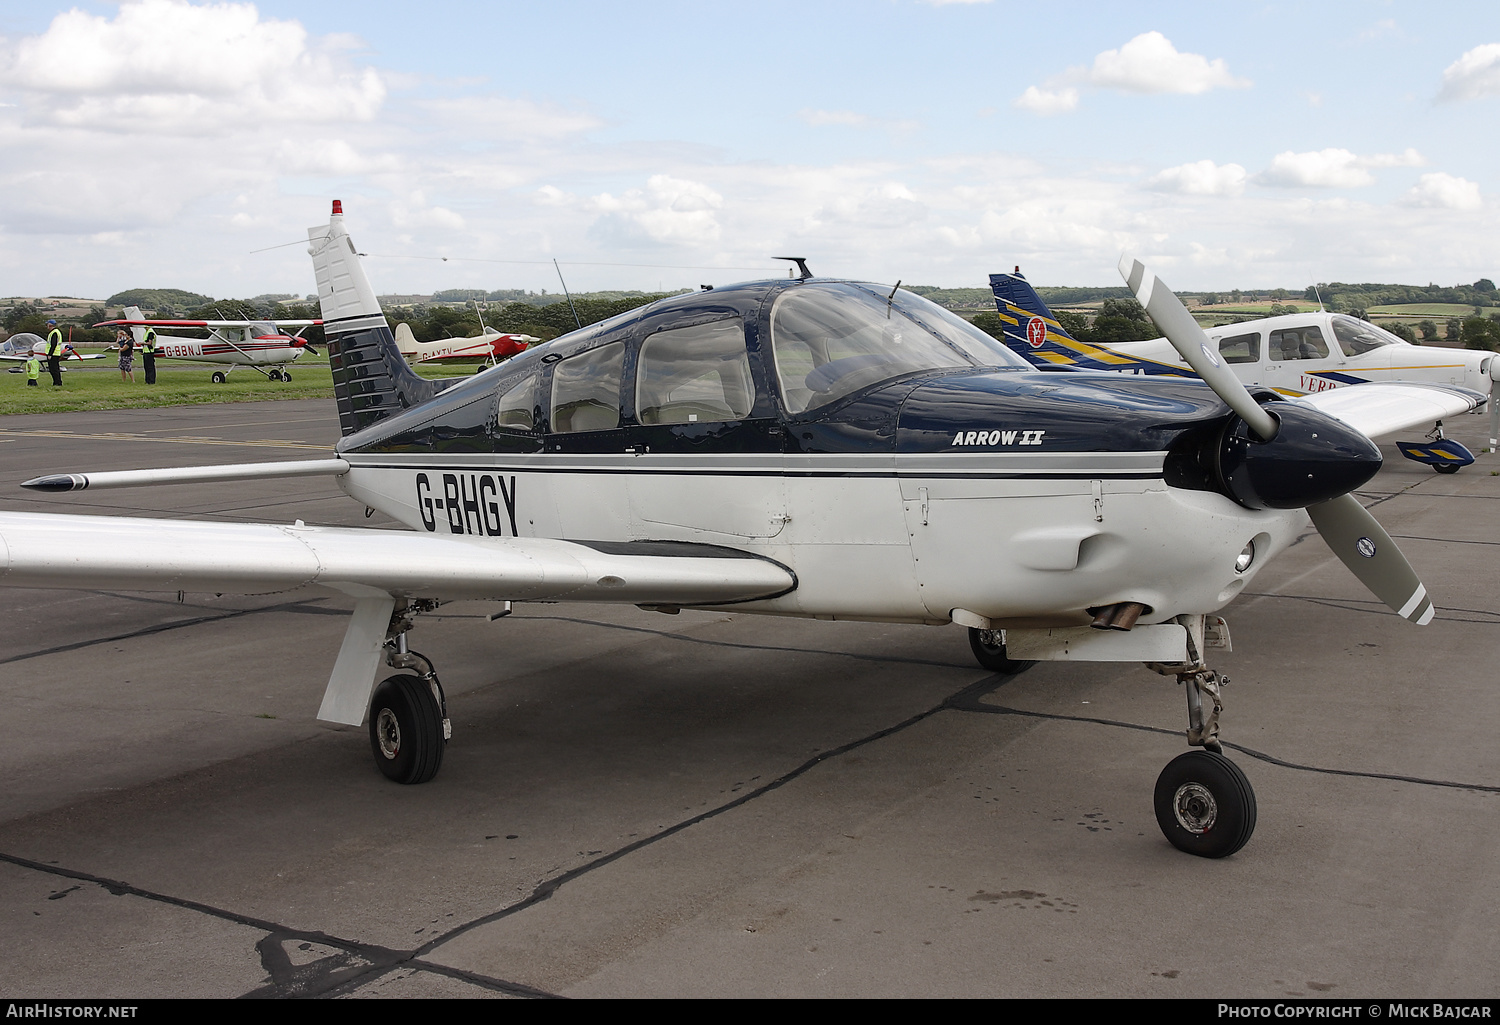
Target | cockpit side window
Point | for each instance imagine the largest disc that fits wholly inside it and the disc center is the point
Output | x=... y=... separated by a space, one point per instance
x=694 y=374
x=1356 y=337
x=1298 y=343
x=586 y=390
x=1241 y=348
x=830 y=340
x=515 y=409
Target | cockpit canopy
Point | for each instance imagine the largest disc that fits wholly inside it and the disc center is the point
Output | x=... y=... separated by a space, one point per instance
x=264 y=329
x=1358 y=336
x=833 y=338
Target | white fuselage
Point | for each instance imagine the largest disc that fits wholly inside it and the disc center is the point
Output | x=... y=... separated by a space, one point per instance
x=876 y=537
x=1319 y=367
x=264 y=351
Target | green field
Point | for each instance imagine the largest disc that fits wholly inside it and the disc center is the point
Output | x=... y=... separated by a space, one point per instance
x=1424 y=310
x=177 y=385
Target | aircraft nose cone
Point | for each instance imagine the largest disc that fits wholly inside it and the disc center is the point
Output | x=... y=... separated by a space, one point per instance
x=1312 y=459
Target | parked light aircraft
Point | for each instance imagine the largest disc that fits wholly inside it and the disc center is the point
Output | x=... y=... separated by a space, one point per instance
x=807 y=447
x=232 y=343
x=486 y=349
x=20 y=347
x=1296 y=354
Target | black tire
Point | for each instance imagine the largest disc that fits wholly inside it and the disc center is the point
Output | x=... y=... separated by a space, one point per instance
x=217 y=377
x=274 y=374
x=1445 y=467
x=991 y=654
x=406 y=730
x=1204 y=804
x=286 y=375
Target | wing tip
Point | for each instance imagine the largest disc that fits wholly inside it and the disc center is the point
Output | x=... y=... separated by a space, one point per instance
x=57 y=483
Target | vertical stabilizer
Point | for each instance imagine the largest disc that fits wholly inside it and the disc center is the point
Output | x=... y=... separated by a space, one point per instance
x=1034 y=332
x=137 y=332
x=370 y=379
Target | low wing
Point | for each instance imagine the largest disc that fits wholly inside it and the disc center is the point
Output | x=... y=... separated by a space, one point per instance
x=376 y=567
x=54 y=550
x=1380 y=409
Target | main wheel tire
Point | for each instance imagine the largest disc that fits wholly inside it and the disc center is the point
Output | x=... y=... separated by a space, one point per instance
x=217 y=377
x=989 y=651
x=406 y=730
x=1445 y=467
x=1204 y=804
x=274 y=374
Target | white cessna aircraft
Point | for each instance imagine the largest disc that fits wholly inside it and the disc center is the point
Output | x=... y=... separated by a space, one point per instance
x=232 y=343
x=1295 y=354
x=805 y=447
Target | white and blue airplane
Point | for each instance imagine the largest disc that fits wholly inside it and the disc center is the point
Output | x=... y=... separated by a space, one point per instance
x=1293 y=354
x=807 y=447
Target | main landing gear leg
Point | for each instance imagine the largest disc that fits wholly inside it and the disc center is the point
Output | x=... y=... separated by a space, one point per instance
x=1204 y=804
x=409 y=725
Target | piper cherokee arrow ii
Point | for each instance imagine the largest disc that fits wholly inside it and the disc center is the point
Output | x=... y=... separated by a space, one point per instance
x=795 y=447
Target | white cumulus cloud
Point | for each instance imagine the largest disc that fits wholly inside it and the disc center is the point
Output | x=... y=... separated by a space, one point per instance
x=1201 y=178
x=1149 y=63
x=1332 y=168
x=170 y=66
x=1446 y=191
x=668 y=210
x=1475 y=74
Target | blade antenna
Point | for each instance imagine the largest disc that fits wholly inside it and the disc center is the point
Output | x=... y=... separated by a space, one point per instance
x=566 y=293
x=801 y=261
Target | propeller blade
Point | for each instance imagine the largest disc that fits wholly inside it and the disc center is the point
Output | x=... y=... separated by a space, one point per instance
x=1189 y=340
x=309 y=348
x=1363 y=545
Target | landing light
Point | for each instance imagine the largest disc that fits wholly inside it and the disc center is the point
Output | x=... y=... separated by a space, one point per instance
x=1246 y=557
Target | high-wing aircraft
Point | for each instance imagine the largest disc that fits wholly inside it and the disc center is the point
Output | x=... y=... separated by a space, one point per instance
x=486 y=349
x=1296 y=354
x=232 y=343
x=20 y=347
x=807 y=447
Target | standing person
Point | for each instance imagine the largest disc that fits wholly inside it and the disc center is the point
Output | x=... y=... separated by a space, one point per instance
x=54 y=353
x=148 y=354
x=127 y=356
x=33 y=369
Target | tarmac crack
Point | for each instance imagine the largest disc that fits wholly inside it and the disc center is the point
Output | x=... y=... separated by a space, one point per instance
x=147 y=631
x=317 y=977
x=976 y=706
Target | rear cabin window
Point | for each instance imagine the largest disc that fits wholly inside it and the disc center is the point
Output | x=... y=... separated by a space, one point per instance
x=1298 y=343
x=693 y=374
x=586 y=390
x=1241 y=348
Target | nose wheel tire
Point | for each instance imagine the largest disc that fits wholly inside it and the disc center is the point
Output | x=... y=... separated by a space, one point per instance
x=406 y=730
x=989 y=651
x=1204 y=804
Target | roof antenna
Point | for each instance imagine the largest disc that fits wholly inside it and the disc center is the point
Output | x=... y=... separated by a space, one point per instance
x=801 y=262
x=565 y=292
x=1320 y=299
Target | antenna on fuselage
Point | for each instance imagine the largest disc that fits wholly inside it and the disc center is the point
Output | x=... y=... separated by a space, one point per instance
x=568 y=294
x=1319 y=296
x=801 y=262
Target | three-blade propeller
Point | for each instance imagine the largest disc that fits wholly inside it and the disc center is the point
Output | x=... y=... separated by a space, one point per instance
x=1348 y=528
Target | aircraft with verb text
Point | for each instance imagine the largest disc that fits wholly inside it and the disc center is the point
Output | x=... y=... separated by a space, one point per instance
x=1293 y=354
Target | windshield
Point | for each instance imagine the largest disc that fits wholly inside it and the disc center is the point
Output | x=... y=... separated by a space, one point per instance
x=262 y=329
x=1357 y=336
x=833 y=339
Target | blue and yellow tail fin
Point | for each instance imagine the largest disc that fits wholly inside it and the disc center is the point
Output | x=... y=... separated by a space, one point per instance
x=1034 y=332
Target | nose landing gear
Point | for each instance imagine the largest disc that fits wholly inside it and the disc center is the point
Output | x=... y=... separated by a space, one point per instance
x=1204 y=804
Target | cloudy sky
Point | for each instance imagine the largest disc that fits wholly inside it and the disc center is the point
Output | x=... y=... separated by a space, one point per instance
x=161 y=143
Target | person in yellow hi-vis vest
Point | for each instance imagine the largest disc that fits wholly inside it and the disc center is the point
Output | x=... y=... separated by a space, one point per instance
x=33 y=369
x=148 y=354
x=54 y=353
